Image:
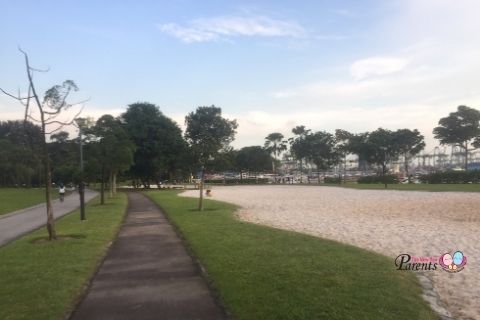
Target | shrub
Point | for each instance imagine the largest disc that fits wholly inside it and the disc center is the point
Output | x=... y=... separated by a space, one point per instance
x=332 y=180
x=389 y=178
x=472 y=176
x=237 y=181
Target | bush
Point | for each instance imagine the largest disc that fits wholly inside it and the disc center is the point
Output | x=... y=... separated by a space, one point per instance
x=472 y=176
x=237 y=181
x=389 y=179
x=332 y=180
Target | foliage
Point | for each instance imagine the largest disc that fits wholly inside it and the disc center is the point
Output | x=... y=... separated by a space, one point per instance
x=409 y=143
x=472 y=176
x=386 y=179
x=460 y=128
x=275 y=144
x=336 y=180
x=208 y=132
x=266 y=273
x=20 y=164
x=237 y=181
x=321 y=150
x=44 y=281
x=254 y=158
x=160 y=148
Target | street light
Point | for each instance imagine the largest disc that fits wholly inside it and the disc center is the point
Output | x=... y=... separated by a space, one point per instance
x=81 y=123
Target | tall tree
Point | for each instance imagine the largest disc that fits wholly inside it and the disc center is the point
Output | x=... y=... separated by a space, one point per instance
x=460 y=128
x=275 y=144
x=409 y=143
x=208 y=133
x=321 y=151
x=253 y=158
x=158 y=142
x=343 y=140
x=383 y=149
x=53 y=104
x=298 y=147
x=115 y=150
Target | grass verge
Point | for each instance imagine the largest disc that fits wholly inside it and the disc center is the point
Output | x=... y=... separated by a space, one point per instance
x=12 y=199
x=266 y=273
x=43 y=279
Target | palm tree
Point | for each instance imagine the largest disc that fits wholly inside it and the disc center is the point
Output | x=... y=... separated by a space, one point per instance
x=275 y=145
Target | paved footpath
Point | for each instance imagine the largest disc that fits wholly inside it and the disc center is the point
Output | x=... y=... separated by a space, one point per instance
x=148 y=274
x=18 y=223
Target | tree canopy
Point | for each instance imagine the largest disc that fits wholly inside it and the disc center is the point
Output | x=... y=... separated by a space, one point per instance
x=208 y=132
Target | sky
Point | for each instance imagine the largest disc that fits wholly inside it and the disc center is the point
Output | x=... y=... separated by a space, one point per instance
x=272 y=65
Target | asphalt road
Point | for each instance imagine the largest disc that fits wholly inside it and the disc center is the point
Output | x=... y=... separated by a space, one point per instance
x=24 y=221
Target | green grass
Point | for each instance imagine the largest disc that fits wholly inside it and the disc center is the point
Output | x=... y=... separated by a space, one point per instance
x=12 y=199
x=266 y=273
x=412 y=187
x=44 y=280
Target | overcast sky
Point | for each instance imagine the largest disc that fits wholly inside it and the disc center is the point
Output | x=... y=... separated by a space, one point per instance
x=272 y=65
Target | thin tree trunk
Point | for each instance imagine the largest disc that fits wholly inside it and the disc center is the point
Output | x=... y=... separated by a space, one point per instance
x=466 y=156
x=406 y=167
x=384 y=170
x=110 y=184
x=114 y=183
x=52 y=234
x=102 y=186
x=318 y=175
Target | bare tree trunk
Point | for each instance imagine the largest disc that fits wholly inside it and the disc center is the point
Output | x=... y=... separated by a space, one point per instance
x=318 y=174
x=406 y=167
x=102 y=186
x=114 y=183
x=52 y=234
x=466 y=156
x=110 y=184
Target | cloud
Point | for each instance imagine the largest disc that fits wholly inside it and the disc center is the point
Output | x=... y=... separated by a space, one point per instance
x=377 y=66
x=225 y=27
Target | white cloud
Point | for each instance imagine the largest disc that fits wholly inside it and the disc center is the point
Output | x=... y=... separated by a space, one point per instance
x=377 y=66
x=224 y=27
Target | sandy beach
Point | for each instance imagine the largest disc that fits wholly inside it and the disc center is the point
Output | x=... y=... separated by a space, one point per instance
x=388 y=222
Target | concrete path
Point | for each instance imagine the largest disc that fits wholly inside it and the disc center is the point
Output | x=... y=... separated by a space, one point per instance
x=18 y=223
x=148 y=274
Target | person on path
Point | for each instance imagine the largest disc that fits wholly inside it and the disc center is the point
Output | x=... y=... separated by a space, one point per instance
x=61 y=192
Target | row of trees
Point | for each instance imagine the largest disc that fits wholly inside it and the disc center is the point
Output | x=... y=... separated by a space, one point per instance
x=378 y=148
x=325 y=150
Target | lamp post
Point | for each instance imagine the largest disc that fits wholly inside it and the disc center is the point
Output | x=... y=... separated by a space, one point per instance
x=80 y=123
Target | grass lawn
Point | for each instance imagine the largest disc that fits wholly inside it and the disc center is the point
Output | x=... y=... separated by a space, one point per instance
x=266 y=273
x=12 y=199
x=44 y=280
x=412 y=187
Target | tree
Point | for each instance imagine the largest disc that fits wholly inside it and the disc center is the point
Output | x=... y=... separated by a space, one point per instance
x=275 y=145
x=253 y=158
x=298 y=147
x=208 y=133
x=460 y=128
x=321 y=151
x=409 y=144
x=20 y=164
x=383 y=148
x=53 y=104
x=343 y=140
x=115 y=150
x=157 y=139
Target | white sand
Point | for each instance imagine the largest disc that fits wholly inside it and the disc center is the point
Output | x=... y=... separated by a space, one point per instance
x=388 y=222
